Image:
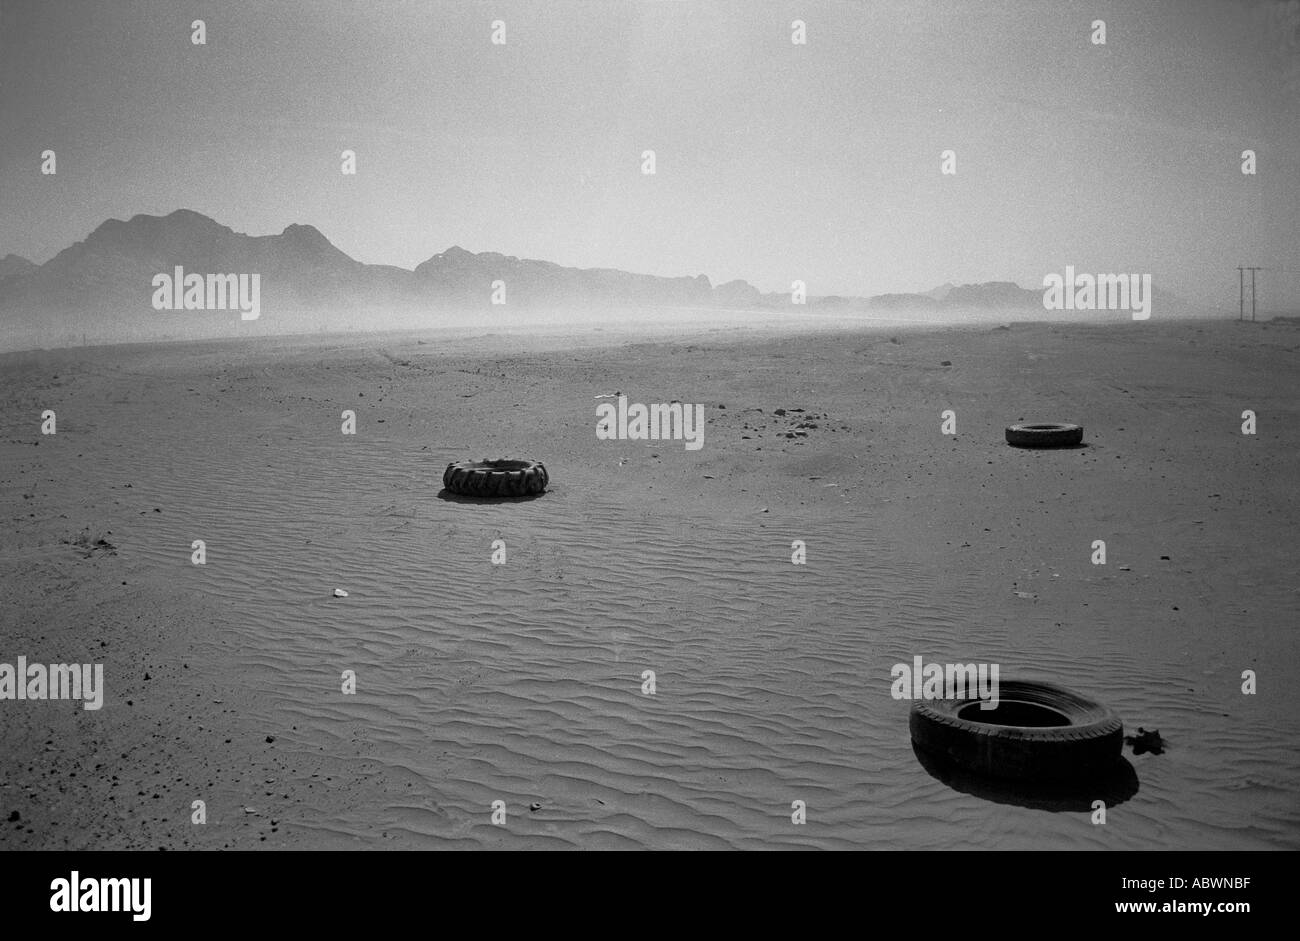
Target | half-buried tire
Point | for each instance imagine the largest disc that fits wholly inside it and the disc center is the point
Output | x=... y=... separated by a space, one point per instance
x=496 y=478
x=1038 y=732
x=1044 y=435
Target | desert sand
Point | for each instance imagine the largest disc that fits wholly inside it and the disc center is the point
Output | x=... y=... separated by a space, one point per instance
x=522 y=682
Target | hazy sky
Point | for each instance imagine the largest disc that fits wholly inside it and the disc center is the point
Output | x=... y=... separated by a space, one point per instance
x=775 y=161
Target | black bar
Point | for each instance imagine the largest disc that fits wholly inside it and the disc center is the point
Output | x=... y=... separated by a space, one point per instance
x=925 y=891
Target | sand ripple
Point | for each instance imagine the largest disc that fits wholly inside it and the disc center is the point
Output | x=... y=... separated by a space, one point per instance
x=522 y=682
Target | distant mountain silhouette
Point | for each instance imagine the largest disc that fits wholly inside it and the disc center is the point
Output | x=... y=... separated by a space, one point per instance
x=101 y=289
x=1010 y=299
x=14 y=264
x=114 y=266
x=459 y=274
x=999 y=295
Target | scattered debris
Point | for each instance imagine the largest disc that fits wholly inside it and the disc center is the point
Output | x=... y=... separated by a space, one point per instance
x=1146 y=741
x=90 y=546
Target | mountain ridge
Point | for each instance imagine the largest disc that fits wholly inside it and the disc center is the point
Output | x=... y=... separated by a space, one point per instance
x=103 y=285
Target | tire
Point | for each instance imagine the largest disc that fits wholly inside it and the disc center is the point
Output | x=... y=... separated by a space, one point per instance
x=496 y=478
x=1044 y=435
x=1086 y=739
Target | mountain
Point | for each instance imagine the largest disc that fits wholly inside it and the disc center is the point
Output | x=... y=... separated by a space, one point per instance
x=115 y=265
x=14 y=264
x=467 y=277
x=992 y=295
x=102 y=288
x=1003 y=295
x=1011 y=301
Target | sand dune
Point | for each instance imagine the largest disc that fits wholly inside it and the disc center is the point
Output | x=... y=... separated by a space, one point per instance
x=522 y=682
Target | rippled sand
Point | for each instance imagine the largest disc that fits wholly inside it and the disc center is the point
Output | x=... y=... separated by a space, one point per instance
x=522 y=682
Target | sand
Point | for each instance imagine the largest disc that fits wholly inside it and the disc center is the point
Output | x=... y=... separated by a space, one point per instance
x=522 y=682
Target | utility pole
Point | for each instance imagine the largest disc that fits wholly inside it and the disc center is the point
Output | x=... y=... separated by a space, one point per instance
x=1241 y=291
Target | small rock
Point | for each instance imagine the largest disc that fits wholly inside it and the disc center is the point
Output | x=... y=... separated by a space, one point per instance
x=270 y=739
x=340 y=593
x=946 y=362
x=14 y=817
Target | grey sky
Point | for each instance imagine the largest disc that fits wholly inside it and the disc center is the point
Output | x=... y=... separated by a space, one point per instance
x=775 y=161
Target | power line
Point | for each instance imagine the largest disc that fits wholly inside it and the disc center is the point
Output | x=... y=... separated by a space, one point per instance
x=1241 y=290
